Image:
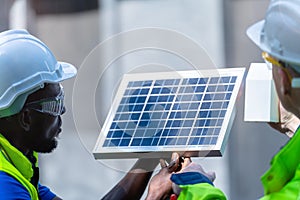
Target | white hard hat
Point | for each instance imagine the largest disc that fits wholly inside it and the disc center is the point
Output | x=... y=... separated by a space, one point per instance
x=26 y=64
x=279 y=33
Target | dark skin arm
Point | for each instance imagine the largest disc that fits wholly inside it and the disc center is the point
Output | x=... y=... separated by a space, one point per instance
x=132 y=186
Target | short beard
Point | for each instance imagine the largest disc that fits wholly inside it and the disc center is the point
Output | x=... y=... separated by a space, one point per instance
x=46 y=147
x=43 y=146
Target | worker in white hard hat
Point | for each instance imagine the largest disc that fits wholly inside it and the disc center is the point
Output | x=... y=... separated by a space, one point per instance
x=31 y=105
x=278 y=36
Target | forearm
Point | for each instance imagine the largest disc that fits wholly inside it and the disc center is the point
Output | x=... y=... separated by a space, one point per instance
x=133 y=184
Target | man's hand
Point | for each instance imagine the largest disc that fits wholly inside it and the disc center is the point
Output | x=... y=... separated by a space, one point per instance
x=160 y=185
x=288 y=123
x=189 y=166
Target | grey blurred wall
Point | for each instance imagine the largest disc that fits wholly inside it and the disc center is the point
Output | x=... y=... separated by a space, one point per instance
x=219 y=26
x=4 y=14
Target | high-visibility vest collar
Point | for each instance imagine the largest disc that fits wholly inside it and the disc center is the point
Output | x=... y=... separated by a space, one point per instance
x=17 y=165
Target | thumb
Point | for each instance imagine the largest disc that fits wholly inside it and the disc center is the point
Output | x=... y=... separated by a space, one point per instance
x=211 y=175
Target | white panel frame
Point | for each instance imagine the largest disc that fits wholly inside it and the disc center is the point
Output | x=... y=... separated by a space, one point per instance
x=101 y=152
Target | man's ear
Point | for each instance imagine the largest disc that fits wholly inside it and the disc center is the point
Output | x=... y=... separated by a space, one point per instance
x=25 y=119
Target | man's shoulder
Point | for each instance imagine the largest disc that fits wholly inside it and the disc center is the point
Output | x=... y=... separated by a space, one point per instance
x=11 y=188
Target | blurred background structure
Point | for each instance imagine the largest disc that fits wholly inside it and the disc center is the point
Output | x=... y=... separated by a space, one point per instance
x=72 y=29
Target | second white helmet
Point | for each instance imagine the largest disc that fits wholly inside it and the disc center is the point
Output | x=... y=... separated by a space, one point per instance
x=279 y=33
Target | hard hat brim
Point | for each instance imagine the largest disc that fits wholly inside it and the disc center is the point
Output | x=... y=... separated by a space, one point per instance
x=69 y=71
x=254 y=33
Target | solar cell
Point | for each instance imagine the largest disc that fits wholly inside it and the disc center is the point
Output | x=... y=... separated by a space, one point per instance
x=154 y=114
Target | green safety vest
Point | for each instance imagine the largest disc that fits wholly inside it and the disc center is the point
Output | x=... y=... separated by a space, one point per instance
x=14 y=163
x=281 y=181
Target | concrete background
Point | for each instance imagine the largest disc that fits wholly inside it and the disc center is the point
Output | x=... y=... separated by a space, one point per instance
x=218 y=26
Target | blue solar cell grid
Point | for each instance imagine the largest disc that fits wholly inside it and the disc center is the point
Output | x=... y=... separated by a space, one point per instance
x=180 y=112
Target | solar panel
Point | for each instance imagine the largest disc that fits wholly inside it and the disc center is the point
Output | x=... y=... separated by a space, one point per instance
x=155 y=114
